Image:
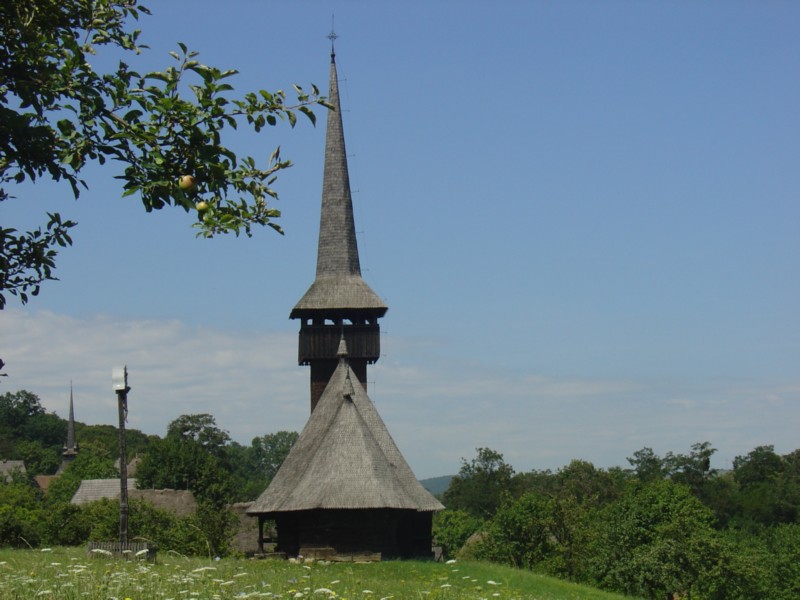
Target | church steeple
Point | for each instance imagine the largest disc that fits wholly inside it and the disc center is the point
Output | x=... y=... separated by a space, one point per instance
x=71 y=446
x=337 y=253
x=339 y=302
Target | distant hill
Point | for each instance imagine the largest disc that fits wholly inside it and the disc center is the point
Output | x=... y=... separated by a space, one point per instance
x=437 y=485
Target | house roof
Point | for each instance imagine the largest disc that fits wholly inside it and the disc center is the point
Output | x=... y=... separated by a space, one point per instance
x=97 y=489
x=7 y=467
x=180 y=502
x=338 y=283
x=345 y=458
x=44 y=481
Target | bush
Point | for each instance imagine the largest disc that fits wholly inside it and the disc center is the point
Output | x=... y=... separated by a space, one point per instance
x=521 y=533
x=20 y=516
x=452 y=528
x=66 y=524
x=655 y=540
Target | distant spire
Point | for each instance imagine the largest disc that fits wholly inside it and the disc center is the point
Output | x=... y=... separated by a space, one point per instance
x=71 y=448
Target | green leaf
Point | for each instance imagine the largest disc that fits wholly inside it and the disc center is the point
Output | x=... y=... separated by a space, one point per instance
x=308 y=113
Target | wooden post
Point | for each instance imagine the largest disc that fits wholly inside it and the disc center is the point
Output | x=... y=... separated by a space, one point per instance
x=122 y=401
x=119 y=379
x=261 y=535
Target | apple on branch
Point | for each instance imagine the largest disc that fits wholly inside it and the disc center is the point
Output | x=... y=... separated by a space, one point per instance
x=188 y=183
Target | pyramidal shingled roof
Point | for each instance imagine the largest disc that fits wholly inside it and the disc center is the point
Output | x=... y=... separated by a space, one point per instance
x=338 y=283
x=345 y=458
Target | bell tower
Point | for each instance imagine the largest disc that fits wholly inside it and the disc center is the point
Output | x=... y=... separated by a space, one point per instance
x=339 y=304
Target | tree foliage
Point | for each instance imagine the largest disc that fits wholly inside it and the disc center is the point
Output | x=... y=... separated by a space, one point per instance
x=523 y=532
x=452 y=528
x=190 y=457
x=653 y=541
x=480 y=484
x=59 y=112
x=92 y=462
x=28 y=432
x=270 y=451
x=671 y=526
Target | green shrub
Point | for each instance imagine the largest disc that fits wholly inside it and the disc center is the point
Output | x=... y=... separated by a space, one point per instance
x=65 y=524
x=521 y=533
x=20 y=516
x=452 y=528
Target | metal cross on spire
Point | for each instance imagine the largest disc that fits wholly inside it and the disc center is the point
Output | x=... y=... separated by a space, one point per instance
x=332 y=37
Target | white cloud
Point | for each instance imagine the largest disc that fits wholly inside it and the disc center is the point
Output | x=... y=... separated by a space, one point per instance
x=438 y=411
x=250 y=383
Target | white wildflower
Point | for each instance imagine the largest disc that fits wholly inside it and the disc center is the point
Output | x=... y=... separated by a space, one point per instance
x=452 y=561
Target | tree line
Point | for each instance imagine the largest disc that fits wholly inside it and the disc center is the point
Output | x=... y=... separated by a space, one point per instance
x=195 y=454
x=666 y=527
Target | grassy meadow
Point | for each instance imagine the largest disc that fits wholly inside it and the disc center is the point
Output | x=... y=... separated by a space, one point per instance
x=68 y=573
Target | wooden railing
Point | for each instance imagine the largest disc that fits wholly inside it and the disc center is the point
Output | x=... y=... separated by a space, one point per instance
x=130 y=550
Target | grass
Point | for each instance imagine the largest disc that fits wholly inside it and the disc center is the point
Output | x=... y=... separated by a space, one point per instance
x=67 y=573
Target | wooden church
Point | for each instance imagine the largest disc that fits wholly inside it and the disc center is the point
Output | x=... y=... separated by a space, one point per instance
x=345 y=488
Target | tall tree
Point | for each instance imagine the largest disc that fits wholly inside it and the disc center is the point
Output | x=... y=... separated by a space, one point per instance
x=647 y=465
x=59 y=112
x=480 y=484
x=655 y=541
x=693 y=469
x=769 y=487
x=191 y=457
x=201 y=429
x=270 y=451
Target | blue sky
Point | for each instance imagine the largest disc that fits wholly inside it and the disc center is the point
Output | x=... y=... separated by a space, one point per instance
x=583 y=217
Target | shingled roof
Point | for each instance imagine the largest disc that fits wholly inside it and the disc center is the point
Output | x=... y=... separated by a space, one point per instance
x=97 y=489
x=7 y=468
x=338 y=283
x=345 y=458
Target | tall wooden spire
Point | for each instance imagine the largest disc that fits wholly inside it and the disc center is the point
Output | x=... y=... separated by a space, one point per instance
x=344 y=488
x=339 y=302
x=71 y=446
